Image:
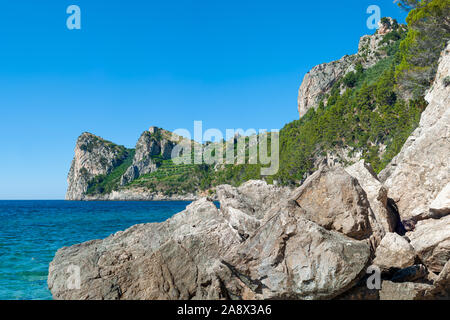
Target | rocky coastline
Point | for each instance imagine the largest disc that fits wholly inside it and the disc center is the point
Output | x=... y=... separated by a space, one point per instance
x=322 y=240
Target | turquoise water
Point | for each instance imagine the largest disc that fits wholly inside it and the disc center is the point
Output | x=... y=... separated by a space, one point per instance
x=32 y=231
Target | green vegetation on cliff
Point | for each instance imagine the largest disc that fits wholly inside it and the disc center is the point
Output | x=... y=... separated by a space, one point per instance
x=103 y=184
x=428 y=34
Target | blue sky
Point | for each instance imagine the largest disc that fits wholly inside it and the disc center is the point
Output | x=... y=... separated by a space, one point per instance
x=135 y=63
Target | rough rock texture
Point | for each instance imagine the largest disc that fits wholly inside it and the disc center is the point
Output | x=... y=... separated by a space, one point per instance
x=93 y=156
x=318 y=82
x=200 y=254
x=422 y=168
x=441 y=205
x=151 y=261
x=443 y=280
x=248 y=207
x=431 y=241
x=333 y=199
x=376 y=194
x=394 y=252
x=404 y=291
x=151 y=143
x=293 y=258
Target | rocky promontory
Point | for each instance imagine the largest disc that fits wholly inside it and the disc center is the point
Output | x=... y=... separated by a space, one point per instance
x=102 y=170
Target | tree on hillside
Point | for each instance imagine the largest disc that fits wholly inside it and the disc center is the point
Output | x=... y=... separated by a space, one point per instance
x=429 y=33
x=408 y=4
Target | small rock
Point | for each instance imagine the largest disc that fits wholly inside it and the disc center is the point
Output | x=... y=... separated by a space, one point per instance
x=394 y=252
x=431 y=241
x=404 y=291
x=441 y=205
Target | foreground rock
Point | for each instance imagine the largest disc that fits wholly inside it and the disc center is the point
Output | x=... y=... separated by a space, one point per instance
x=441 y=205
x=151 y=261
x=431 y=241
x=293 y=258
x=405 y=291
x=201 y=254
x=335 y=200
x=248 y=207
x=394 y=252
x=420 y=171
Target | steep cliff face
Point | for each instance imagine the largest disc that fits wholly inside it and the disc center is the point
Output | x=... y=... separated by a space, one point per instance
x=318 y=82
x=152 y=143
x=93 y=156
x=421 y=170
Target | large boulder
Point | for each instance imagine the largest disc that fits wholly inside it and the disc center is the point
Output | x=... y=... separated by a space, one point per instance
x=293 y=258
x=421 y=170
x=333 y=199
x=376 y=194
x=394 y=252
x=166 y=260
x=246 y=208
x=200 y=254
x=431 y=241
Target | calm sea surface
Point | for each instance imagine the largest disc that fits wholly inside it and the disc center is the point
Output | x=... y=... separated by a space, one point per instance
x=32 y=231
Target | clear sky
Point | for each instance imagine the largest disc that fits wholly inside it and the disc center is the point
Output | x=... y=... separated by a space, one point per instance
x=136 y=63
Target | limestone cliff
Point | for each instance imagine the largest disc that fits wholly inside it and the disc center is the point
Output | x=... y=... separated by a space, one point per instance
x=93 y=156
x=96 y=160
x=318 y=82
x=152 y=143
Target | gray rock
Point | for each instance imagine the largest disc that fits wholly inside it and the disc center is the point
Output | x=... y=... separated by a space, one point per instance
x=166 y=260
x=376 y=193
x=199 y=254
x=421 y=170
x=248 y=207
x=333 y=199
x=441 y=205
x=394 y=252
x=385 y=220
x=431 y=241
x=293 y=258
x=404 y=291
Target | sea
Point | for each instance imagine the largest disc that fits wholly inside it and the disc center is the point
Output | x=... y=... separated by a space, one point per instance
x=32 y=231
